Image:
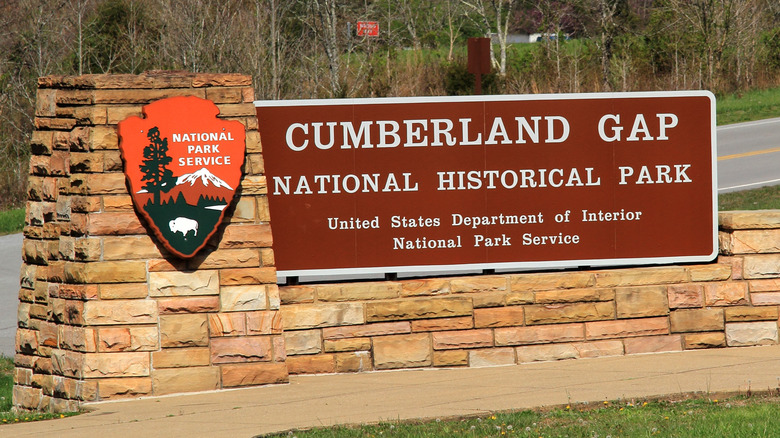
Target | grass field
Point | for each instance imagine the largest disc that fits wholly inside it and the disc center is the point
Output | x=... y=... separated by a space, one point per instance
x=6 y=403
x=6 y=383
x=733 y=417
x=764 y=198
x=11 y=221
x=751 y=105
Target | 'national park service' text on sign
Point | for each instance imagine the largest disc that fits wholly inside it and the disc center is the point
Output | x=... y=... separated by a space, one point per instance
x=183 y=166
x=550 y=181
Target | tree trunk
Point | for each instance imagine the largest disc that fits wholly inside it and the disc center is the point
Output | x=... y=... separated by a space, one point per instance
x=606 y=58
x=274 y=51
x=326 y=30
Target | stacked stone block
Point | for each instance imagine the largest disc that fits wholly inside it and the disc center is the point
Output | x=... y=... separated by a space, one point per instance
x=105 y=311
x=492 y=320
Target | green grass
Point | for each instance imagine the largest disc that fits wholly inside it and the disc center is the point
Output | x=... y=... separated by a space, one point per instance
x=11 y=221
x=765 y=198
x=741 y=416
x=6 y=399
x=748 y=106
x=6 y=384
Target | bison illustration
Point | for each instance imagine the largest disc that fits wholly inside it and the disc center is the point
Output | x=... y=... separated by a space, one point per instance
x=183 y=225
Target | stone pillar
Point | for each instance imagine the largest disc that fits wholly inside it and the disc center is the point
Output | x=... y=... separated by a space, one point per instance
x=105 y=312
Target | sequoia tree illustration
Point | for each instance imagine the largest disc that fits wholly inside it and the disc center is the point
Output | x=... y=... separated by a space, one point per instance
x=155 y=166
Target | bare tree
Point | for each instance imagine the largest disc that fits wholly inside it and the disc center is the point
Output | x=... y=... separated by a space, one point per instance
x=420 y=18
x=453 y=12
x=200 y=35
x=275 y=15
x=136 y=38
x=32 y=34
x=602 y=21
x=275 y=51
x=712 y=23
x=747 y=30
x=324 y=23
x=410 y=11
x=606 y=11
x=79 y=9
x=552 y=17
x=500 y=14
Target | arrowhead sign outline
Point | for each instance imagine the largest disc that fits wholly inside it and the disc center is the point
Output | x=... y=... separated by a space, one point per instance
x=183 y=167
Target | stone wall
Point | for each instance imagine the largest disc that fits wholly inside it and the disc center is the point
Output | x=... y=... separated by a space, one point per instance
x=492 y=320
x=105 y=312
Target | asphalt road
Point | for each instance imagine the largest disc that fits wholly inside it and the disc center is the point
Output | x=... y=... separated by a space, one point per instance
x=748 y=157
x=10 y=265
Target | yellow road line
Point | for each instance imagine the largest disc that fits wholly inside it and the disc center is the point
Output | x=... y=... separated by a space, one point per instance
x=748 y=154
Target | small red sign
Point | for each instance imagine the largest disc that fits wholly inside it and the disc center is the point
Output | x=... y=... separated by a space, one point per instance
x=368 y=28
x=183 y=166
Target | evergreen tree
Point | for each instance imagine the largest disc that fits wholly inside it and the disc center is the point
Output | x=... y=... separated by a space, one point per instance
x=155 y=166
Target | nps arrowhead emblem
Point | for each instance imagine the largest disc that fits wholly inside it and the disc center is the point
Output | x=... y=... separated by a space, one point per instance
x=183 y=166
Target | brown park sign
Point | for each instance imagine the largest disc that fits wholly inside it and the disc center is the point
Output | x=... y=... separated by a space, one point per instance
x=490 y=182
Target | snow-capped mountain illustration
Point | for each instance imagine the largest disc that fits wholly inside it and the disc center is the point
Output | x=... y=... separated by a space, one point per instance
x=205 y=177
x=201 y=188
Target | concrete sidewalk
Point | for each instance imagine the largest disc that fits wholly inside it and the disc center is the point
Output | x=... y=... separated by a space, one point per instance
x=439 y=393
